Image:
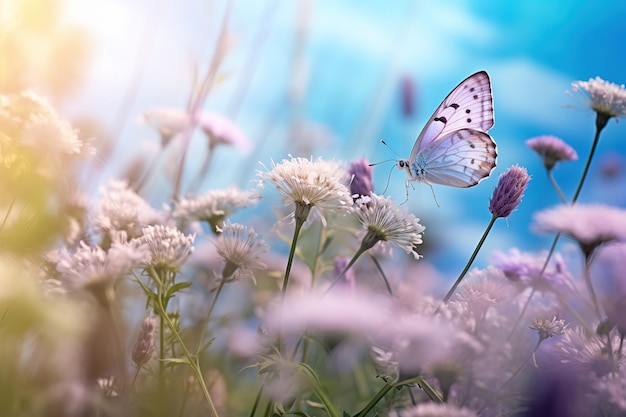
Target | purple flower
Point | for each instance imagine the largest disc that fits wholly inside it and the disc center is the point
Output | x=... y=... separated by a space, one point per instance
x=508 y=193
x=552 y=150
x=590 y=225
x=221 y=130
x=525 y=270
x=361 y=173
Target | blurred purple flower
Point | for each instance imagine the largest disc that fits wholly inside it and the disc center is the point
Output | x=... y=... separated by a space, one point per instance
x=590 y=225
x=221 y=130
x=349 y=278
x=361 y=173
x=524 y=269
x=552 y=150
x=508 y=193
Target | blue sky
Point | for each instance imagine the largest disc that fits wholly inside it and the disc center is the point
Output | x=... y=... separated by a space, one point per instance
x=336 y=66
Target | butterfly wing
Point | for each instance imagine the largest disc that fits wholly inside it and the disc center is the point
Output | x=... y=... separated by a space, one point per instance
x=468 y=106
x=460 y=159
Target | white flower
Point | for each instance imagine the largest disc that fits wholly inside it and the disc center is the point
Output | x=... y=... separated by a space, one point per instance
x=96 y=270
x=385 y=221
x=168 y=122
x=121 y=209
x=604 y=97
x=241 y=250
x=307 y=183
x=588 y=353
x=549 y=327
x=169 y=248
x=484 y=289
x=213 y=206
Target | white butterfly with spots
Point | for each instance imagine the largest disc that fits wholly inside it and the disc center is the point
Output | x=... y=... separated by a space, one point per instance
x=454 y=148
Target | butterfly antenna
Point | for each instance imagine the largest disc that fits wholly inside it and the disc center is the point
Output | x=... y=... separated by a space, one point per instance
x=388 y=180
x=389 y=147
x=434 y=196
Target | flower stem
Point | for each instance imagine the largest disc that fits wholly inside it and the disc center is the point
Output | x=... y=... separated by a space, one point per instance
x=379 y=395
x=556 y=187
x=192 y=360
x=592 y=292
x=469 y=263
x=302 y=212
x=382 y=273
x=601 y=121
x=362 y=249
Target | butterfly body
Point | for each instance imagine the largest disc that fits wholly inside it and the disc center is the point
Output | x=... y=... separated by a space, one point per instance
x=454 y=147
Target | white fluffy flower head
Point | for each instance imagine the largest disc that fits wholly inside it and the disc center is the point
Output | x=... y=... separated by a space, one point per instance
x=241 y=250
x=121 y=209
x=309 y=183
x=169 y=248
x=385 y=221
x=602 y=96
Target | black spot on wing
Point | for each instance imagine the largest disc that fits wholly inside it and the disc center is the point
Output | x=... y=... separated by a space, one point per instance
x=441 y=119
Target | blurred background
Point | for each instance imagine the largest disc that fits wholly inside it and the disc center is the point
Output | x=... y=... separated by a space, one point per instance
x=330 y=79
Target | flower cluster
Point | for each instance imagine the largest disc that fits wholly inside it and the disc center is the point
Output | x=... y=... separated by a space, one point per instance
x=122 y=316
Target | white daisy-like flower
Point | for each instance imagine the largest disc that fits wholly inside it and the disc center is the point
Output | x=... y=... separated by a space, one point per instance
x=213 y=206
x=308 y=183
x=548 y=327
x=603 y=97
x=384 y=221
x=96 y=270
x=431 y=409
x=121 y=209
x=242 y=251
x=588 y=353
x=169 y=248
x=484 y=289
x=589 y=224
x=168 y=122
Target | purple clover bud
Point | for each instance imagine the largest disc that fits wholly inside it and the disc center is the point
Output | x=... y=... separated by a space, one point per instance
x=508 y=193
x=361 y=173
x=144 y=346
x=552 y=150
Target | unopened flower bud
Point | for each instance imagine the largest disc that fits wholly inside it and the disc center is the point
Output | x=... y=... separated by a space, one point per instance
x=144 y=346
x=508 y=193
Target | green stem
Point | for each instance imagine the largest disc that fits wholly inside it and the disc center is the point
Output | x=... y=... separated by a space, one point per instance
x=379 y=395
x=302 y=212
x=206 y=320
x=469 y=263
x=192 y=360
x=257 y=399
x=382 y=273
x=556 y=186
x=592 y=292
x=362 y=249
x=601 y=121
x=424 y=385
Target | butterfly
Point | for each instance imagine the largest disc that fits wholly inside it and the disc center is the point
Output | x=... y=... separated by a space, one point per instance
x=454 y=148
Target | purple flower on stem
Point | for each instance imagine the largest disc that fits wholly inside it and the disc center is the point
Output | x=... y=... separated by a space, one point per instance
x=508 y=193
x=552 y=150
x=588 y=224
x=361 y=178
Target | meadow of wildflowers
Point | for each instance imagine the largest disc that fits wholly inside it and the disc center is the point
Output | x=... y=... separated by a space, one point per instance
x=115 y=305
